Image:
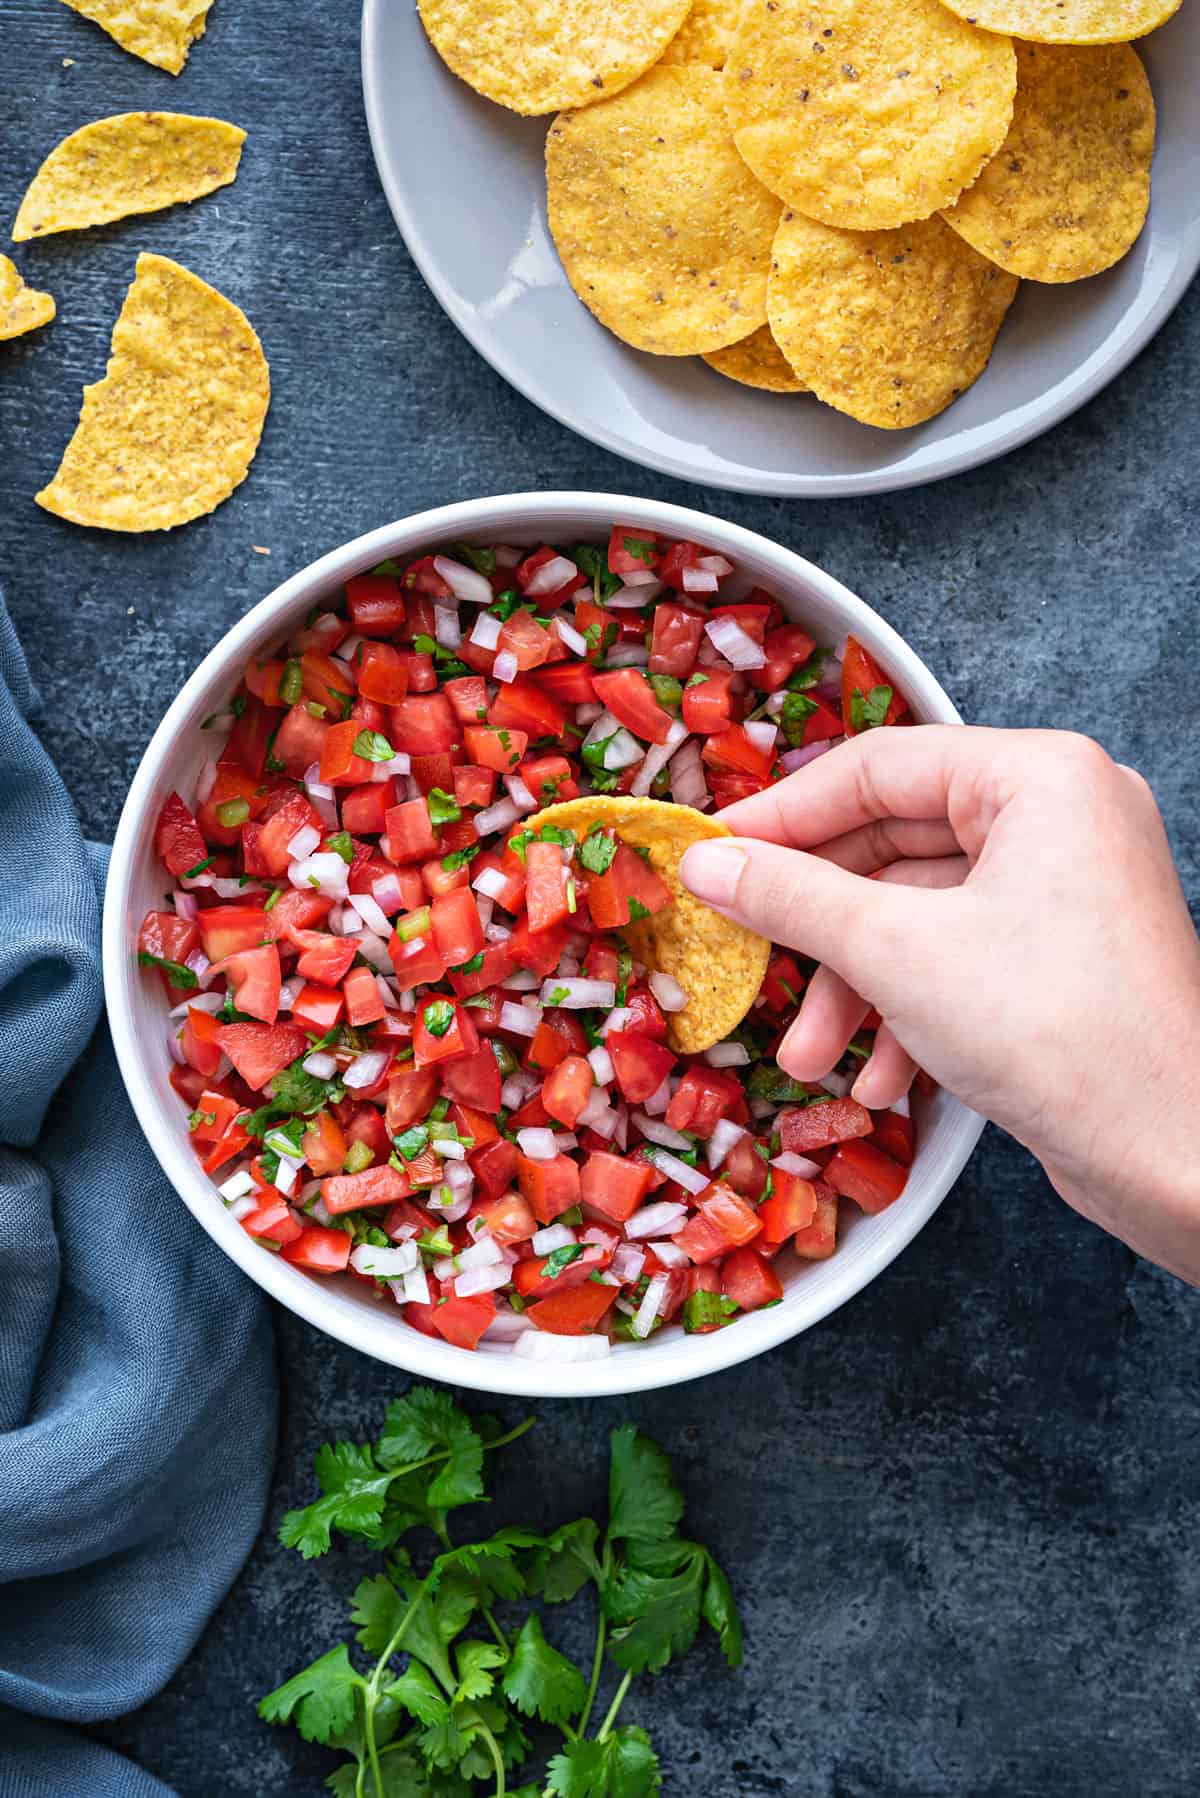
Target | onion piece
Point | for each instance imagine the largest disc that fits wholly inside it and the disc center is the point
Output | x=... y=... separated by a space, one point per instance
x=491 y=882
x=659 y=1099
x=793 y=759
x=481 y=1279
x=838 y=1084
x=577 y=995
x=543 y=1345
x=617 y=1019
x=667 y=991
x=654 y=1131
x=549 y=576
x=237 y=1185
x=446 y=628
x=799 y=1165
x=657 y=757
x=663 y=1217
x=507 y=556
x=627 y=655
x=623 y=751
x=385 y=1263
x=320 y=1065
x=628 y=1261
x=326 y=873
x=365 y=1069
x=727 y=1055
x=415 y=1288
x=506 y=667
x=647 y=1312
x=600 y=1062
x=902 y=1107
x=495 y=818
x=537 y=1144
x=520 y=1020
x=519 y=793
x=371 y=913
x=762 y=734
x=554 y=1236
x=699 y=580
x=575 y=641
x=670 y=1254
x=715 y=564
x=725 y=1137
x=464 y=582
x=690 y=1178
x=730 y=640
x=314 y=785
x=485 y=633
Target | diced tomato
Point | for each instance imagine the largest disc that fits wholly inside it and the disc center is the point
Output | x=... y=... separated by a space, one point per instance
x=792 y=1206
x=364 y=1004
x=231 y=785
x=750 y=1281
x=626 y=879
x=262 y=679
x=549 y=778
x=277 y=831
x=227 y=929
x=376 y=604
x=494 y=1166
x=545 y=886
x=631 y=550
x=250 y=738
x=639 y=1062
x=496 y=966
x=783 y=982
x=819 y=1239
x=509 y=1219
x=809 y=1127
x=213 y=1113
x=525 y=704
x=524 y=638
x=613 y=1185
x=551 y=1187
x=169 y=937
x=424 y=724
x=327 y=631
x=199 y=1044
x=324 y=1144
x=410 y=835
x=177 y=838
x=254 y=979
x=600 y=962
x=512 y=894
x=539 y=951
x=723 y=1220
x=787 y=647
x=355 y=1192
x=457 y=930
x=458 y=1037
x=365 y=808
x=328 y=683
x=468 y=698
x=647 y=1017
x=678 y=633
x=410 y=1094
x=272 y=1222
x=567 y=1089
x=702 y=1098
x=745 y=1170
x=732 y=751
x=300 y=740
x=861 y=676
x=629 y=696
x=577 y=1311
x=531 y=1280
x=861 y=1172
x=364 y=1124
x=235 y=1139
x=895 y=1135
x=463 y=1321
x=496 y=747
x=570 y=682
x=474 y=1080
x=294 y=912
x=319 y=1250
x=340 y=766
x=474 y=786
x=318 y=1008
x=260 y=1051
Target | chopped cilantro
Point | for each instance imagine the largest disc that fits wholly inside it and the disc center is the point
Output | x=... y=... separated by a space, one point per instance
x=482 y=560
x=410 y=1143
x=505 y=604
x=341 y=845
x=557 y=1259
x=703 y=1309
x=472 y=966
x=667 y=690
x=593 y=562
x=797 y=710
x=558 y=994
x=597 y=850
x=641 y=548
x=810 y=672
x=637 y=910
x=698 y=680
x=458 y=858
x=273 y=898
x=869 y=712
x=373 y=747
x=443 y=808
x=438 y=1015
x=174 y=970
x=192 y=873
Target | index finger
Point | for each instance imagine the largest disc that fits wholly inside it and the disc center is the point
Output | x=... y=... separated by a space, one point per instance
x=916 y=773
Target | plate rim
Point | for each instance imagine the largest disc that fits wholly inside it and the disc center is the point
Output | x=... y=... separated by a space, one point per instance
x=1086 y=381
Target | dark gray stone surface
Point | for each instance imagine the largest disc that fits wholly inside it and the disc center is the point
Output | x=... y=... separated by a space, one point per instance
x=961 y=1516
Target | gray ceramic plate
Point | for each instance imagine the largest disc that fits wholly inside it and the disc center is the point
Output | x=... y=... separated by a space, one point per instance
x=464 y=179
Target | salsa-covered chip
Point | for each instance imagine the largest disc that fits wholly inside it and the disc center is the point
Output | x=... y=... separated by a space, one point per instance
x=719 y=964
x=159 y=31
x=538 y=59
x=888 y=326
x=866 y=113
x=133 y=162
x=757 y=361
x=1067 y=193
x=172 y=428
x=21 y=308
x=663 y=231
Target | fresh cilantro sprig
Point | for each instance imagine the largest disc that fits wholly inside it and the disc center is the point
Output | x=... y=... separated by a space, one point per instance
x=443 y=1703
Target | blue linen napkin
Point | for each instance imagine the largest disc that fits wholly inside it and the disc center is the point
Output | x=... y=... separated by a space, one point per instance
x=137 y=1383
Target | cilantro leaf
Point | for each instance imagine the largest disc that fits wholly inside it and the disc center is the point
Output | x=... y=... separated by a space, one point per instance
x=490 y=1568
x=421 y=1423
x=373 y=746
x=624 y=1765
x=443 y=807
x=644 y=1503
x=637 y=911
x=597 y=850
x=796 y=712
x=353 y=1490
x=293 y=1091
x=566 y=1561
x=810 y=672
x=482 y=560
x=721 y=1614
x=703 y=1309
x=320 y=1700
x=175 y=971
x=557 y=1259
x=539 y=1680
x=438 y=1016
x=411 y=1142
x=418 y=1692
x=642 y=548
x=869 y=711
x=477 y=1662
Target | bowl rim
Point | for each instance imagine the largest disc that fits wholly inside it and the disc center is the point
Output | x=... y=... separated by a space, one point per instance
x=379 y=1334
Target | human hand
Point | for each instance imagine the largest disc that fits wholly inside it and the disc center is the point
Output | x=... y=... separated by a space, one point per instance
x=1024 y=938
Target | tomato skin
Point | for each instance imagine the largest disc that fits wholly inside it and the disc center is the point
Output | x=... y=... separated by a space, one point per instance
x=328 y=683
x=217 y=1106
x=318 y=1008
x=496 y=966
x=523 y=637
x=791 y=1207
x=199 y=1044
x=410 y=836
x=723 y=1220
x=648 y=1018
x=355 y=1192
x=364 y=1004
x=260 y=1051
x=629 y=696
x=277 y=831
x=424 y=724
x=273 y=1221
x=457 y=929
x=749 y=1280
x=745 y=1170
x=819 y=1239
x=460 y=1037
x=499 y=747
x=732 y=751
x=170 y=937
x=787 y=647
x=614 y=1186
x=577 y=1311
x=567 y=1089
x=468 y=697
x=626 y=877
x=254 y=978
x=376 y=605
x=318 y=1249
x=523 y=704
x=300 y=741
x=462 y=1322
x=623 y=560
x=494 y=1166
x=550 y=1187
x=703 y=1097
x=529 y=1277
x=475 y=786
x=410 y=1094
x=860 y=673
x=383 y=674
x=677 y=635
x=474 y=1081
x=639 y=1062
x=509 y=1219
x=294 y=912
x=324 y=1144
x=177 y=839
x=817 y=1126
x=783 y=983
x=861 y=1172
x=545 y=888
x=895 y=1135
x=569 y=682
x=231 y=783
x=549 y=778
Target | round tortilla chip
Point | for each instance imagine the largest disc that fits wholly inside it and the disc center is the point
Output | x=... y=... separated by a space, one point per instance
x=663 y=231
x=719 y=964
x=866 y=113
x=706 y=34
x=888 y=326
x=159 y=31
x=536 y=59
x=172 y=428
x=1068 y=21
x=21 y=308
x=133 y=162
x=1067 y=193
x=757 y=361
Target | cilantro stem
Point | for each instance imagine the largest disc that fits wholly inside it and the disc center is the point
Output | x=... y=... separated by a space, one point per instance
x=493 y=1748
x=371 y=1694
x=601 y=1634
x=614 y=1707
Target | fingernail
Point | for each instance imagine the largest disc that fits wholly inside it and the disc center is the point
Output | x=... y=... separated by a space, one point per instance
x=712 y=871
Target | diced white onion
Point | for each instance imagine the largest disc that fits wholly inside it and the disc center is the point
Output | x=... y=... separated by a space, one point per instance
x=210 y=1002
x=588 y=712
x=485 y=633
x=654 y=1131
x=495 y=818
x=506 y=556
x=385 y=1263
x=371 y=913
x=507 y=1325
x=521 y=1020
x=523 y=981
x=506 y=667
x=365 y=1069
x=667 y=991
x=237 y=889
x=326 y=873
x=727 y=1055
x=305 y=841
x=400 y=763
x=345 y=650
x=446 y=628
x=663 y=1217
x=550 y=576
x=716 y=565
x=320 y=1064
x=635 y=590
x=449 y=1146
x=519 y=793
x=838 y=1084
x=542 y=1345
x=242 y=1207
x=762 y=734
x=670 y=1254
x=481 y=1279
x=537 y=1143
x=374 y=950
x=565 y=1141
x=901 y=1107
x=799 y=1165
x=237 y=1185
x=623 y=751
x=575 y=641
x=415 y=1288
x=491 y=883
x=659 y=1099
x=483 y=1252
x=699 y=580
x=206 y=780
x=726 y=1135
x=464 y=582
x=282 y=1145
x=628 y=1262
x=577 y=994
x=517 y=1088
x=618 y=1019
x=642 y=577
x=313 y=784
x=289 y=992
x=601 y=1065
x=730 y=640
x=185 y=906
x=628 y=655
x=688 y=785
x=603 y=725
x=651 y=1305
x=496 y=933
x=690 y=1178
x=554 y=1236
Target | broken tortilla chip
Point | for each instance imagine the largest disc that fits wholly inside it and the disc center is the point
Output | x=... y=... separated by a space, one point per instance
x=159 y=31
x=172 y=428
x=130 y=163
x=757 y=361
x=719 y=964
x=21 y=308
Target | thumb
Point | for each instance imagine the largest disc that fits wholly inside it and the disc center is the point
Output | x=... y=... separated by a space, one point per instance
x=853 y=925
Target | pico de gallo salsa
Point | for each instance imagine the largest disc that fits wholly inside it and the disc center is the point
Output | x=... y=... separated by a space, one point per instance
x=411 y=1040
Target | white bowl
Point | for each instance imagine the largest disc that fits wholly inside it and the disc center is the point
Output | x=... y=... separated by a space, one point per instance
x=137 y=1007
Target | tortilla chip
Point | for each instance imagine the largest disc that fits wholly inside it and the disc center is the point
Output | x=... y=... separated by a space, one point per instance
x=705 y=34
x=133 y=162
x=719 y=964
x=172 y=428
x=663 y=231
x=1067 y=193
x=888 y=326
x=1068 y=21
x=536 y=59
x=757 y=361
x=21 y=308
x=866 y=113
x=159 y=31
